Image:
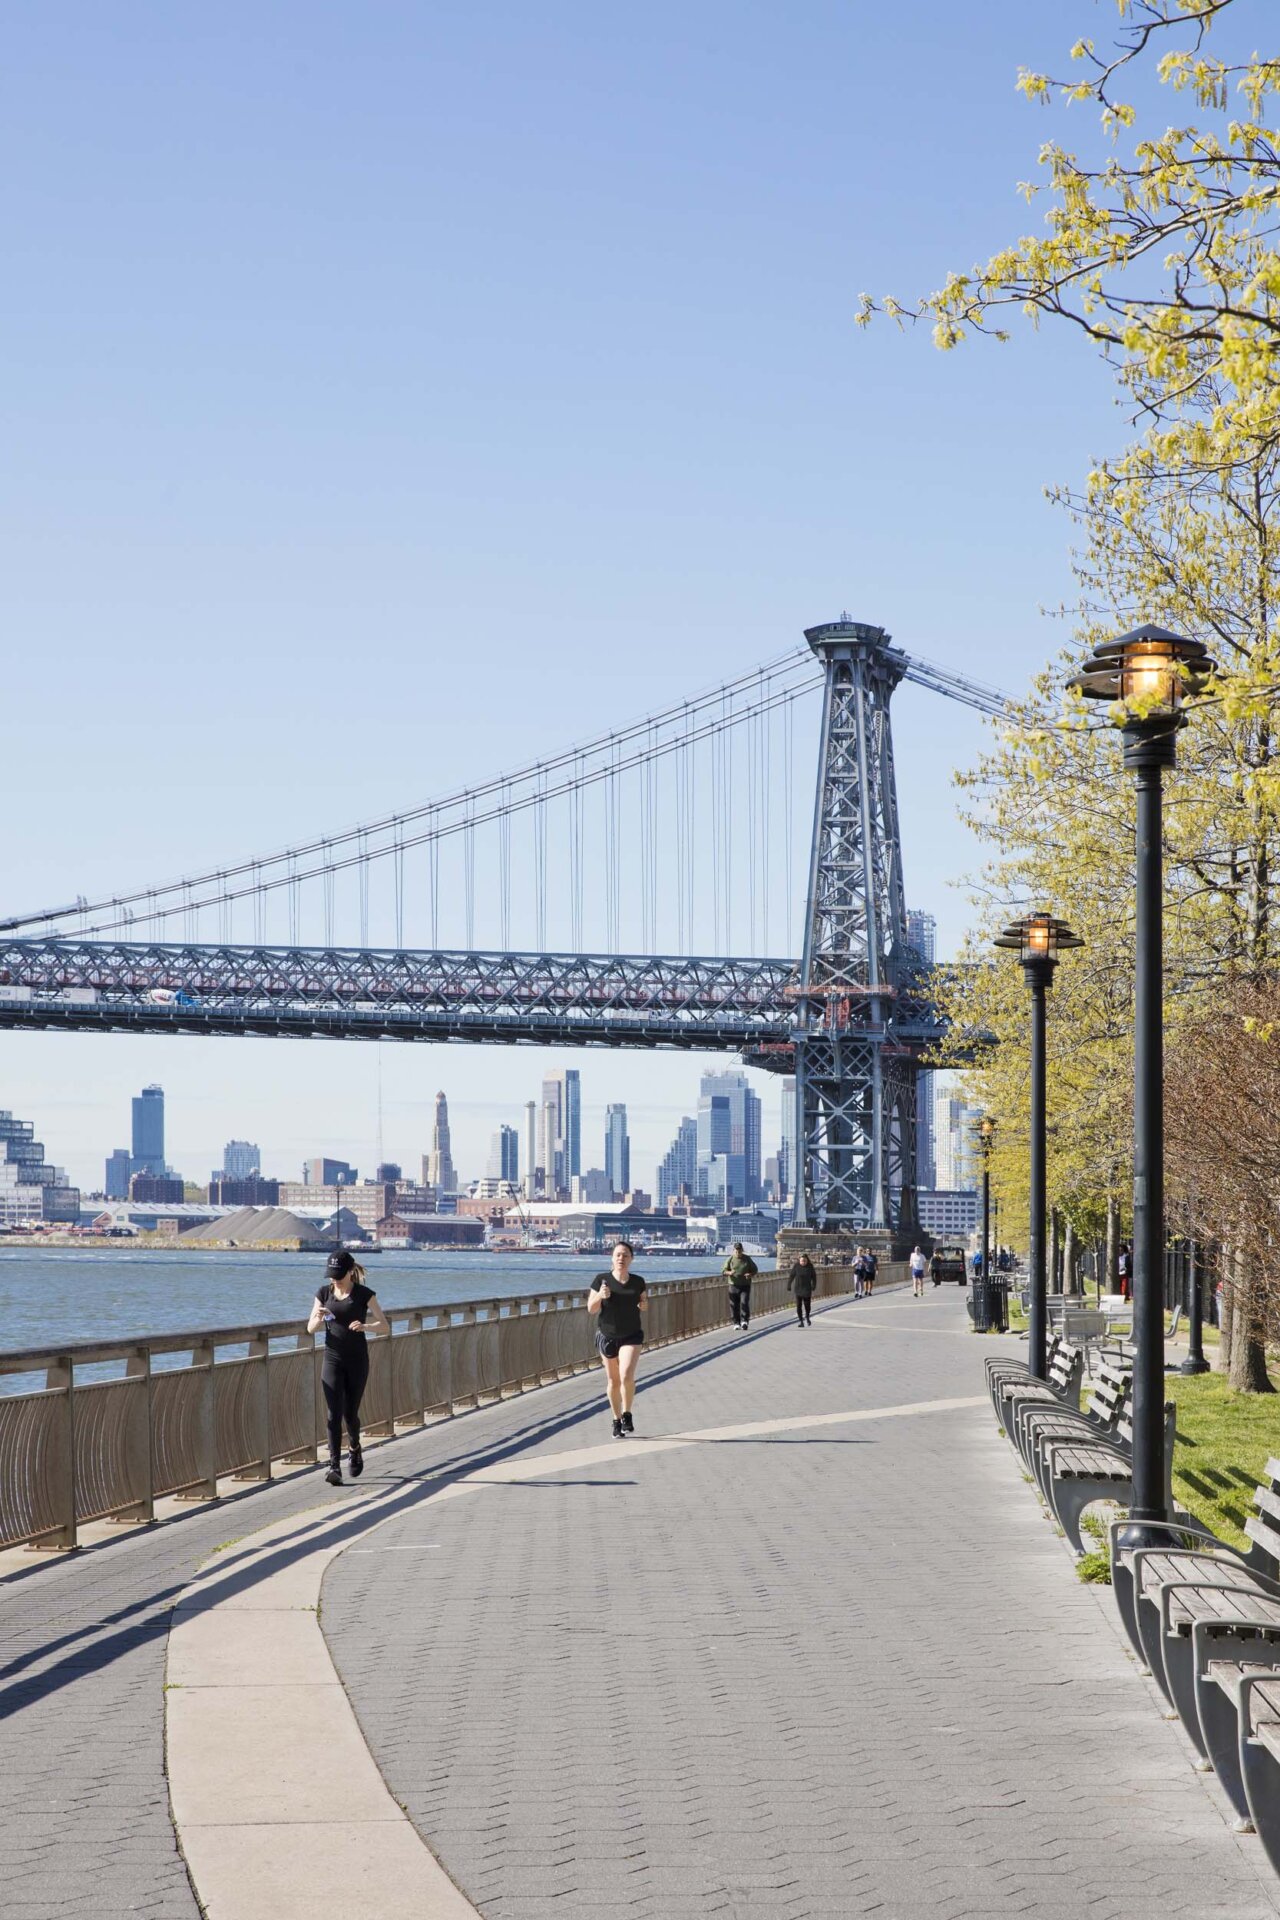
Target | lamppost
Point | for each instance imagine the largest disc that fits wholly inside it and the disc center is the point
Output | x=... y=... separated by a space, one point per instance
x=1150 y=671
x=1038 y=939
x=986 y=1130
x=1195 y=1361
x=337 y=1210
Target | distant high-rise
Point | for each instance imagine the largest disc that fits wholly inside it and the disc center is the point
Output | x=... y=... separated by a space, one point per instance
x=617 y=1149
x=955 y=1121
x=30 y=1189
x=148 y=1131
x=787 y=1171
x=440 y=1170
x=116 y=1184
x=240 y=1160
x=530 y=1148
x=324 y=1172
x=572 y=1122
x=729 y=1126
x=389 y=1172
x=922 y=934
x=504 y=1156
x=550 y=1151
x=679 y=1170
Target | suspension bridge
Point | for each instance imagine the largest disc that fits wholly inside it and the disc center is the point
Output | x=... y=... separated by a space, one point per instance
x=679 y=829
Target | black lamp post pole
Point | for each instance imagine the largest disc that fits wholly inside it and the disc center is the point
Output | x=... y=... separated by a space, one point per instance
x=1148 y=753
x=986 y=1212
x=1037 y=1332
x=1195 y=1361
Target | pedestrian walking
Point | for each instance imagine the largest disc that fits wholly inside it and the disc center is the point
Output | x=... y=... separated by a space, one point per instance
x=740 y=1270
x=917 y=1272
x=345 y=1307
x=801 y=1281
x=1124 y=1269
x=619 y=1299
x=873 y=1261
x=935 y=1267
x=859 y=1273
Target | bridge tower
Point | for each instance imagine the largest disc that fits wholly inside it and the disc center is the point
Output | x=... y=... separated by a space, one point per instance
x=861 y=1022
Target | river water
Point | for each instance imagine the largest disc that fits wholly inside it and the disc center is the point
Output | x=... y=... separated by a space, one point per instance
x=52 y=1295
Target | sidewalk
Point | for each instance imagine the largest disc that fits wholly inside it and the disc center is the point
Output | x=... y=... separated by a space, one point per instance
x=804 y=1648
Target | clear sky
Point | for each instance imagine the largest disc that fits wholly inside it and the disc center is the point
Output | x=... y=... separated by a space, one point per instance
x=395 y=392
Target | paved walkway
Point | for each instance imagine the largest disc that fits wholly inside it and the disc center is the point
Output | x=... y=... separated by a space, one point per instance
x=804 y=1648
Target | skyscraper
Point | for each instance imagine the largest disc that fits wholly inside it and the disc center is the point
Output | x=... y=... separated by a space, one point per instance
x=240 y=1160
x=560 y=1129
x=504 y=1156
x=679 y=1170
x=956 y=1170
x=787 y=1170
x=116 y=1185
x=733 y=1134
x=530 y=1148
x=922 y=934
x=439 y=1162
x=617 y=1149
x=148 y=1131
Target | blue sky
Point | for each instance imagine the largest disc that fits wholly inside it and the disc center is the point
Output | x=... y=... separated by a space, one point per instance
x=393 y=393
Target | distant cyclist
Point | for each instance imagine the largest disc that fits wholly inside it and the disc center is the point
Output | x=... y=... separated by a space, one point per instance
x=618 y=1299
x=344 y=1307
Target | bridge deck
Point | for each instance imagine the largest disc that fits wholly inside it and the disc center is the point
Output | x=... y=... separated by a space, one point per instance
x=804 y=1648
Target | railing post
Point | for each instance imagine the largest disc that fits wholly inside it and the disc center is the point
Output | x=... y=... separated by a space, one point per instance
x=260 y=1379
x=205 y=1440
x=138 y=1367
x=419 y=1374
x=60 y=1378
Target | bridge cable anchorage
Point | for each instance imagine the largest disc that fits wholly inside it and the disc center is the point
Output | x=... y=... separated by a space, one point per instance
x=329 y=849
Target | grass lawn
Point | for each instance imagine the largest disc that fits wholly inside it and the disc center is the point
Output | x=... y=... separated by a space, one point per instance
x=1224 y=1442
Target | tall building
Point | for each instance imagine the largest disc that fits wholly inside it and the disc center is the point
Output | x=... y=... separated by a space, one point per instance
x=439 y=1163
x=550 y=1151
x=504 y=1156
x=240 y=1160
x=530 y=1148
x=729 y=1125
x=116 y=1184
x=389 y=1171
x=922 y=934
x=617 y=1150
x=572 y=1122
x=679 y=1170
x=148 y=1131
x=954 y=1123
x=323 y=1172
x=787 y=1180
x=30 y=1189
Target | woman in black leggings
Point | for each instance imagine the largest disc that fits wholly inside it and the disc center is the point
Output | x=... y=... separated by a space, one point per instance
x=344 y=1306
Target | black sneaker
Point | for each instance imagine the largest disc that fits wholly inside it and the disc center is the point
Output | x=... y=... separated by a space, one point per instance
x=356 y=1462
x=628 y=1424
x=334 y=1475
x=617 y=1429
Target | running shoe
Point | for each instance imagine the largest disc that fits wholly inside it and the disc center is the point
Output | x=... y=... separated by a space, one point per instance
x=628 y=1424
x=617 y=1429
x=334 y=1475
x=356 y=1461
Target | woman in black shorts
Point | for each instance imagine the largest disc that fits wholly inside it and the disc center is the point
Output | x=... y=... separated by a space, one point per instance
x=619 y=1298
x=344 y=1306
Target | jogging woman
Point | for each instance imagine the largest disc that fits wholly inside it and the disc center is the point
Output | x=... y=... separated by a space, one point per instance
x=619 y=1298
x=344 y=1307
x=801 y=1281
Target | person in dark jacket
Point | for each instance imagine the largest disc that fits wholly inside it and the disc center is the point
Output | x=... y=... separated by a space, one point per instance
x=740 y=1270
x=801 y=1281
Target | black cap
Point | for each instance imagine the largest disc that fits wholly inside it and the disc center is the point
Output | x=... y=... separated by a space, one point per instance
x=338 y=1265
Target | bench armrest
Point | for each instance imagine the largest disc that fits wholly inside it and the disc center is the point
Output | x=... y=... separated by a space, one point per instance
x=1180 y=1527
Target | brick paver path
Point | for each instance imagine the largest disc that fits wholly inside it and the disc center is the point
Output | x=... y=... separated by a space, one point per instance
x=835 y=1669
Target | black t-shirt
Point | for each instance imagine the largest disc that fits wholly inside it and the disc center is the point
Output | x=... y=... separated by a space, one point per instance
x=337 y=1332
x=620 y=1309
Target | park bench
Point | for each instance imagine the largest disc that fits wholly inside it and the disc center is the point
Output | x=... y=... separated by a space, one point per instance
x=1038 y=1425
x=1205 y=1618
x=1259 y=1722
x=1079 y=1469
x=1061 y=1389
x=1001 y=1368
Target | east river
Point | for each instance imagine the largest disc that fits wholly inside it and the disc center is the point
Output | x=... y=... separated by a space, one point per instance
x=50 y=1296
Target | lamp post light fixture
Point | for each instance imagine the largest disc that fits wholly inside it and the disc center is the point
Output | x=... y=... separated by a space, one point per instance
x=1037 y=940
x=1152 y=672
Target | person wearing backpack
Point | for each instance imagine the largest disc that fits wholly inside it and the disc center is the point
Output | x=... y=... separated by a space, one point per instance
x=740 y=1270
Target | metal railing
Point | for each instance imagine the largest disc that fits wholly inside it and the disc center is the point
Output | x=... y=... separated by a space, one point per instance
x=92 y=1449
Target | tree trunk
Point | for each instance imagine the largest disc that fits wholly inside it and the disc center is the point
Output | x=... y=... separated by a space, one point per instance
x=1111 y=1281
x=1069 y=1259
x=1227 y=1329
x=1247 y=1368
x=1055 y=1269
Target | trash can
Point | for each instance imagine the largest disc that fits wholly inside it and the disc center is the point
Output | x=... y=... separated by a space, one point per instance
x=989 y=1304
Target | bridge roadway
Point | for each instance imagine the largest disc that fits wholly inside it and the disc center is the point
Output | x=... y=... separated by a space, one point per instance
x=804 y=1648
